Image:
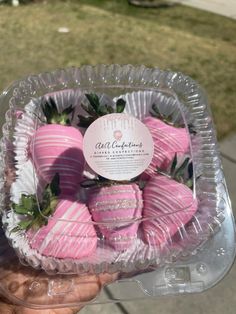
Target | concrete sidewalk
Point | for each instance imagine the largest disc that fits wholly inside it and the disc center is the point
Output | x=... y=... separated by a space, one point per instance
x=222 y=7
x=219 y=299
x=228 y=150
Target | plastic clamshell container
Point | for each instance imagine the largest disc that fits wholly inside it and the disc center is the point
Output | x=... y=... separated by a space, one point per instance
x=184 y=245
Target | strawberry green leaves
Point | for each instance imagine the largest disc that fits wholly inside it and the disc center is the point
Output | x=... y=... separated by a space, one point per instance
x=173 y=165
x=96 y=109
x=102 y=182
x=168 y=119
x=178 y=173
x=120 y=105
x=36 y=214
x=53 y=116
x=53 y=188
x=192 y=129
x=94 y=101
x=25 y=206
x=182 y=173
x=155 y=112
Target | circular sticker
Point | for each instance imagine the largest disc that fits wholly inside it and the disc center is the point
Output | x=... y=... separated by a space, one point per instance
x=118 y=146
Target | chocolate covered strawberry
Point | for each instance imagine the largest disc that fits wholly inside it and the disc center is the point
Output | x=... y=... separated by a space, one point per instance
x=68 y=234
x=169 y=139
x=55 y=226
x=56 y=147
x=116 y=207
x=169 y=204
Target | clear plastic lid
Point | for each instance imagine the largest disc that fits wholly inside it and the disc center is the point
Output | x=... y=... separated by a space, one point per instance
x=112 y=171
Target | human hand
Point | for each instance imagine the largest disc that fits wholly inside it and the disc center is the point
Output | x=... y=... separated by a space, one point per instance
x=33 y=287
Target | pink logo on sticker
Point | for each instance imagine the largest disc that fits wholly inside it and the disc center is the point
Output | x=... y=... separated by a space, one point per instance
x=118 y=135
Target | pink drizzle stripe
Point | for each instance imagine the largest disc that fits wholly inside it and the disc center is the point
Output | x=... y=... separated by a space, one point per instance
x=68 y=234
x=168 y=141
x=56 y=148
x=169 y=205
x=118 y=205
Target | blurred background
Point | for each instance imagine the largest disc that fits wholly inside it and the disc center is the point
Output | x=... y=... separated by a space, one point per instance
x=38 y=36
x=42 y=35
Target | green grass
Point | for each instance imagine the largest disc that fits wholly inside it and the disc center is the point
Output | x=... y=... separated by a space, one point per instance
x=197 y=43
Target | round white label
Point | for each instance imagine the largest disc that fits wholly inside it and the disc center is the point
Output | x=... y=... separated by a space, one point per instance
x=118 y=146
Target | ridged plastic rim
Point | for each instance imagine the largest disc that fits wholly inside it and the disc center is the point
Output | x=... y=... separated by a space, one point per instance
x=128 y=77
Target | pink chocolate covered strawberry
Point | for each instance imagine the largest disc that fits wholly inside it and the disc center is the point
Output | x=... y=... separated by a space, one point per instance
x=168 y=204
x=116 y=207
x=169 y=139
x=68 y=234
x=56 y=147
x=56 y=227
